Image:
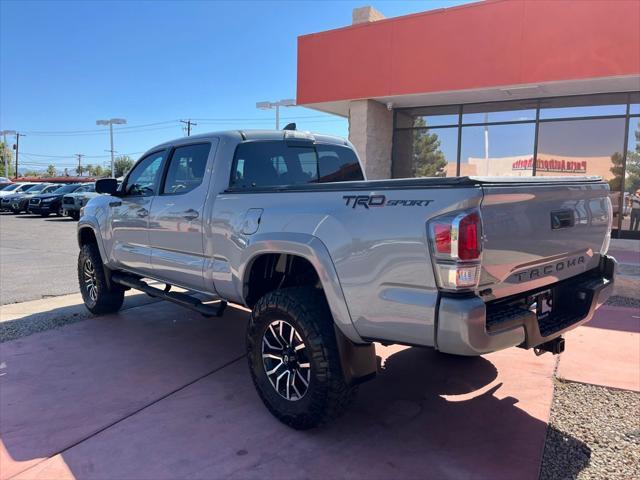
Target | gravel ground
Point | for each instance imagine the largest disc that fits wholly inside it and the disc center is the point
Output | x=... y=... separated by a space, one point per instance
x=619 y=301
x=594 y=433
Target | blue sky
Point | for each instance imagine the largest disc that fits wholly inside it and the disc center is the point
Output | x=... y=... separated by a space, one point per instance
x=65 y=64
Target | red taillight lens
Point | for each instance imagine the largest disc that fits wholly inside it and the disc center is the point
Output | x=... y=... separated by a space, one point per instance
x=442 y=234
x=468 y=238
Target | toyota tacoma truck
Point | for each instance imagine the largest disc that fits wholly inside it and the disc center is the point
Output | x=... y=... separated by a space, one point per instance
x=285 y=224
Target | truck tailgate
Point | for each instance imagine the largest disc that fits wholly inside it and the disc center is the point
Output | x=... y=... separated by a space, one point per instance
x=541 y=230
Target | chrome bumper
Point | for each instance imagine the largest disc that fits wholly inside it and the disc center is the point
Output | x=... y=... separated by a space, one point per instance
x=468 y=326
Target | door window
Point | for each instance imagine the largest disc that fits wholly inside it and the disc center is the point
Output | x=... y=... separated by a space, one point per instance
x=186 y=169
x=144 y=178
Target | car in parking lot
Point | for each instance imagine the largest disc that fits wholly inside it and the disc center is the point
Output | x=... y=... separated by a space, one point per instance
x=73 y=202
x=16 y=188
x=4 y=182
x=48 y=203
x=20 y=201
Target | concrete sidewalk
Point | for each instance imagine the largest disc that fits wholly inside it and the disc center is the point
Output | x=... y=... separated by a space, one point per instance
x=158 y=392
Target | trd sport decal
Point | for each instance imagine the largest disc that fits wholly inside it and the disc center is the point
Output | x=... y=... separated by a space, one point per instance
x=367 y=201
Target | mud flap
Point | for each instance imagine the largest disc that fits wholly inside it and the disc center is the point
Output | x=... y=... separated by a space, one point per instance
x=359 y=362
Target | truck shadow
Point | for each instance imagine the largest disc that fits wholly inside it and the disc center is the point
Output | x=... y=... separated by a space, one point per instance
x=426 y=415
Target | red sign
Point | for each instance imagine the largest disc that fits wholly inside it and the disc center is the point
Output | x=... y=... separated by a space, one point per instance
x=551 y=165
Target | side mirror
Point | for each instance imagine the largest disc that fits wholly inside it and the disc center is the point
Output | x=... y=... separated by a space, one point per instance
x=107 y=185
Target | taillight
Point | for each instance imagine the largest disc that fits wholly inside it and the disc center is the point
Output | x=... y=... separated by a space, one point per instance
x=457 y=247
x=469 y=241
x=442 y=234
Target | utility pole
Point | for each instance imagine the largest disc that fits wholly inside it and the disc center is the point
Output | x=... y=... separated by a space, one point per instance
x=18 y=135
x=188 y=123
x=111 y=123
x=79 y=155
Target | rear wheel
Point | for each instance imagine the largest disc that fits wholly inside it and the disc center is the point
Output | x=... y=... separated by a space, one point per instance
x=75 y=215
x=294 y=359
x=60 y=211
x=98 y=296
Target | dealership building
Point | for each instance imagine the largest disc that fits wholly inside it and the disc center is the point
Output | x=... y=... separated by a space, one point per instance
x=501 y=87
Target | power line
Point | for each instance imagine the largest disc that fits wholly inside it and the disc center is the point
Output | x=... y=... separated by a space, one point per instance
x=188 y=123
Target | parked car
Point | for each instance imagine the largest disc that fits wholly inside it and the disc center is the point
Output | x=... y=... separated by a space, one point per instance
x=465 y=265
x=16 y=188
x=73 y=202
x=20 y=202
x=49 y=203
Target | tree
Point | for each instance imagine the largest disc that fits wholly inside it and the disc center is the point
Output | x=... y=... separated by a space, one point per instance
x=80 y=170
x=632 y=180
x=615 y=184
x=428 y=159
x=122 y=164
x=95 y=170
x=6 y=152
x=51 y=171
x=31 y=173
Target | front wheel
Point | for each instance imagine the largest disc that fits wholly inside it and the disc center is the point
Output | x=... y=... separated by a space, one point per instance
x=294 y=360
x=98 y=296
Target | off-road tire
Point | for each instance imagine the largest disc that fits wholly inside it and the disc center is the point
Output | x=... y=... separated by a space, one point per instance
x=327 y=395
x=103 y=299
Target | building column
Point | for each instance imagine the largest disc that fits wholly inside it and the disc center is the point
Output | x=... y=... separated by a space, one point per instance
x=371 y=132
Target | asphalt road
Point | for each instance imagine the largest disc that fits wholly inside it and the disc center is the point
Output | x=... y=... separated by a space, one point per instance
x=37 y=257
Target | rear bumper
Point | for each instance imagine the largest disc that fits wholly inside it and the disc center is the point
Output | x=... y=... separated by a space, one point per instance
x=468 y=326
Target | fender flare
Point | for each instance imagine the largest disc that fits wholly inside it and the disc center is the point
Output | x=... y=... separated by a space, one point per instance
x=313 y=250
x=92 y=224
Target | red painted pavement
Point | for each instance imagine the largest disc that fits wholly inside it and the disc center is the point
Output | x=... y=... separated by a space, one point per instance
x=426 y=415
x=62 y=385
x=605 y=351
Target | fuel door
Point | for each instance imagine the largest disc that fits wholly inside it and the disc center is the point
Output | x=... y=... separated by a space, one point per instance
x=251 y=221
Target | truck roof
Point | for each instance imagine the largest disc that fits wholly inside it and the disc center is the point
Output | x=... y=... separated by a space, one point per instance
x=248 y=135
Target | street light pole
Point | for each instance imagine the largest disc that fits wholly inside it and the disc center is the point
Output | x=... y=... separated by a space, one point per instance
x=287 y=102
x=18 y=135
x=113 y=163
x=111 y=122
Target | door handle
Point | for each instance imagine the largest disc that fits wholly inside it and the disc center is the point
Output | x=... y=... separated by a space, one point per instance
x=115 y=204
x=142 y=212
x=190 y=214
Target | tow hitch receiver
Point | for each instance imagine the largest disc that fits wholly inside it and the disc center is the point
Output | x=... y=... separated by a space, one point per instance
x=555 y=346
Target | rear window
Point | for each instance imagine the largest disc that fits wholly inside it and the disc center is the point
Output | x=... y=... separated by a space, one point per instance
x=271 y=163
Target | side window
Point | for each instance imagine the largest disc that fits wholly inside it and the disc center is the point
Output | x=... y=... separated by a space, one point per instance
x=144 y=178
x=338 y=164
x=271 y=163
x=186 y=168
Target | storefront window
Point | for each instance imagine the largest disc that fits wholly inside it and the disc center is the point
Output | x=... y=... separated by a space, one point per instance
x=425 y=152
x=631 y=213
x=584 y=106
x=497 y=150
x=576 y=135
x=428 y=117
x=519 y=111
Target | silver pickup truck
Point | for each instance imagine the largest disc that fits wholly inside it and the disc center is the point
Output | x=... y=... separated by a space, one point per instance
x=284 y=223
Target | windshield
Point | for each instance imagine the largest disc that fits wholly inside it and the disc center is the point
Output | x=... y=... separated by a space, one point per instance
x=9 y=188
x=50 y=188
x=37 y=188
x=67 y=188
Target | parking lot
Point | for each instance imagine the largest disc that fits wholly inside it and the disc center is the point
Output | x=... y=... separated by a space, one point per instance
x=38 y=257
x=156 y=391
